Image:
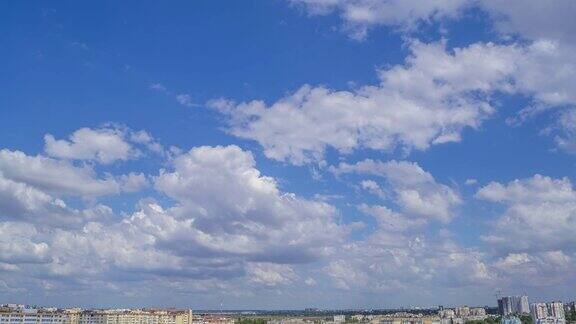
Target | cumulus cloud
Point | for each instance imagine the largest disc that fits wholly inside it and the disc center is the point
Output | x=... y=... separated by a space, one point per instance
x=17 y=244
x=38 y=189
x=390 y=220
x=271 y=274
x=543 y=269
x=401 y=254
x=105 y=145
x=471 y=182
x=185 y=100
x=566 y=131
x=413 y=189
x=19 y=201
x=237 y=210
x=542 y=66
x=389 y=260
x=539 y=214
x=54 y=176
x=62 y=178
x=362 y=15
x=227 y=221
x=144 y=138
x=427 y=101
x=133 y=182
x=226 y=225
x=534 y=19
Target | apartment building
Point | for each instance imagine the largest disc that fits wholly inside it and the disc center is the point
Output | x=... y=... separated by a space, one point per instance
x=548 y=313
x=11 y=314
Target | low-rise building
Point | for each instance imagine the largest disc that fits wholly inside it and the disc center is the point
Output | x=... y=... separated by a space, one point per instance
x=462 y=311
x=10 y=314
x=23 y=315
x=477 y=311
x=405 y=319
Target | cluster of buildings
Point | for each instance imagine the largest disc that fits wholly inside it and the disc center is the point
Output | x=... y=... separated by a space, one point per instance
x=462 y=312
x=13 y=313
x=542 y=313
x=511 y=309
x=395 y=318
x=460 y=315
x=548 y=313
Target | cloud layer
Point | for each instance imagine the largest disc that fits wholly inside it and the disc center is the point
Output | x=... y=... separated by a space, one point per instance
x=108 y=211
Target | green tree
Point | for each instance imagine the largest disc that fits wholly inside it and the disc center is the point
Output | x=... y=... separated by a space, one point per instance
x=250 y=321
x=526 y=319
x=487 y=320
x=571 y=316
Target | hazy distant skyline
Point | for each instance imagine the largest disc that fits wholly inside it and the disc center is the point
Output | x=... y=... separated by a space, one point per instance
x=287 y=154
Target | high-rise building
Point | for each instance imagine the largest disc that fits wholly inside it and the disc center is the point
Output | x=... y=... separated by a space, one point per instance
x=513 y=305
x=524 y=306
x=538 y=311
x=462 y=311
x=556 y=309
x=548 y=313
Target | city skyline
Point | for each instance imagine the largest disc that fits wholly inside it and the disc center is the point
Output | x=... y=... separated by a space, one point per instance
x=285 y=154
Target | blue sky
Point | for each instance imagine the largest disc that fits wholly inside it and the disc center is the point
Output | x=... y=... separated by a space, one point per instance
x=286 y=154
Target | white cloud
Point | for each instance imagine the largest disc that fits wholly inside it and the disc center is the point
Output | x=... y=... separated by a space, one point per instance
x=185 y=100
x=534 y=19
x=19 y=201
x=389 y=261
x=158 y=87
x=414 y=190
x=513 y=260
x=361 y=15
x=310 y=282
x=271 y=274
x=537 y=189
x=35 y=189
x=543 y=65
x=54 y=176
x=133 y=182
x=237 y=210
x=539 y=214
x=104 y=145
x=390 y=220
x=18 y=246
x=229 y=221
x=566 y=125
x=374 y=188
x=427 y=101
x=545 y=269
x=471 y=182
x=144 y=138
x=401 y=254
